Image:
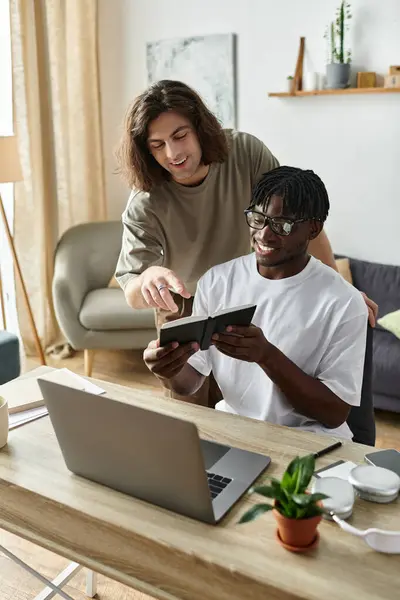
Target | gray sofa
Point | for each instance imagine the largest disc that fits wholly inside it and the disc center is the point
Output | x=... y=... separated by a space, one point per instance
x=382 y=284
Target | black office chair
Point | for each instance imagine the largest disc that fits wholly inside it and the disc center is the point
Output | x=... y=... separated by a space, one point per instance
x=361 y=419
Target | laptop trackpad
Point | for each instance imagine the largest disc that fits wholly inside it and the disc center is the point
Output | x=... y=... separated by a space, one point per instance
x=212 y=452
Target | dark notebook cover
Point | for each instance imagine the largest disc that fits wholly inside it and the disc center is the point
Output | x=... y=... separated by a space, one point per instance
x=201 y=329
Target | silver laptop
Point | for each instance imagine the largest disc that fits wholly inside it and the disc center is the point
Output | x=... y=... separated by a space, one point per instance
x=147 y=454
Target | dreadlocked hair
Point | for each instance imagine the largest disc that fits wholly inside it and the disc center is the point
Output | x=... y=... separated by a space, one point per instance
x=303 y=193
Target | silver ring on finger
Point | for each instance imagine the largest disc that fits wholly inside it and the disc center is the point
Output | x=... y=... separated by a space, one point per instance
x=161 y=287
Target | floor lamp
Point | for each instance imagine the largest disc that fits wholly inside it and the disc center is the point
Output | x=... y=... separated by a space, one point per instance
x=10 y=172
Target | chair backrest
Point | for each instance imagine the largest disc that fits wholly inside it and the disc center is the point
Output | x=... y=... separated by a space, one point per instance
x=93 y=249
x=361 y=419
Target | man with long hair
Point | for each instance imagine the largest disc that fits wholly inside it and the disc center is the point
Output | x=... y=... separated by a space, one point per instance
x=300 y=363
x=191 y=181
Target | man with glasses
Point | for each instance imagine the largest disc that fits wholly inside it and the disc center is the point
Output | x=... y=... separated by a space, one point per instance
x=300 y=363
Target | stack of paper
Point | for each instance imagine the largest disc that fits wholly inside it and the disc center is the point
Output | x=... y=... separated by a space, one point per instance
x=22 y=394
x=25 y=416
x=25 y=400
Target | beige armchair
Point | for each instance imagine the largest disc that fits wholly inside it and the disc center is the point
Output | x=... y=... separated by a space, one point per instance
x=90 y=314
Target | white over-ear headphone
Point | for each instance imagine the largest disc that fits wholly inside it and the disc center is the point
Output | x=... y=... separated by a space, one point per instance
x=371 y=483
x=378 y=539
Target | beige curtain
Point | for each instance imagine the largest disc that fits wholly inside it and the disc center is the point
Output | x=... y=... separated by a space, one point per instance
x=57 y=120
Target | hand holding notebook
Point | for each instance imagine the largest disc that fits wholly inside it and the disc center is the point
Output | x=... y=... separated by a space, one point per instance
x=201 y=329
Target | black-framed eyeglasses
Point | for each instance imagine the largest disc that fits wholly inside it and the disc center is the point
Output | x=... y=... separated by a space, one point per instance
x=279 y=225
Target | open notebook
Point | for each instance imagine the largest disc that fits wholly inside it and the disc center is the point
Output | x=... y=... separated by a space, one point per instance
x=200 y=329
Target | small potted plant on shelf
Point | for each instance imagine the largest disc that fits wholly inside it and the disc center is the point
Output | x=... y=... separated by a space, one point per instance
x=297 y=512
x=339 y=58
x=289 y=80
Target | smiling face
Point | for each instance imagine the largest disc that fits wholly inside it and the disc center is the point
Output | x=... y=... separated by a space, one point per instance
x=174 y=144
x=282 y=255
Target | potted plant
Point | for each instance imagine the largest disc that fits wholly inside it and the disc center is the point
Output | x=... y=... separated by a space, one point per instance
x=339 y=59
x=297 y=512
x=289 y=79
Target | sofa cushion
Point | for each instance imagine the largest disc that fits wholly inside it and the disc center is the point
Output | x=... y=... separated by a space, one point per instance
x=106 y=309
x=391 y=322
x=386 y=402
x=380 y=282
x=343 y=266
x=386 y=364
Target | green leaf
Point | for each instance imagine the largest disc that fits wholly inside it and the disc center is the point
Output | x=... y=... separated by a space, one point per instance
x=307 y=512
x=293 y=466
x=254 y=512
x=306 y=499
x=292 y=471
x=303 y=513
x=291 y=510
x=318 y=496
x=288 y=482
x=287 y=511
x=280 y=495
x=307 y=471
x=275 y=482
x=313 y=511
x=266 y=490
x=302 y=499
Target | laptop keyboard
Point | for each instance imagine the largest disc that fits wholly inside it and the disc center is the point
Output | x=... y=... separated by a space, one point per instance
x=217 y=483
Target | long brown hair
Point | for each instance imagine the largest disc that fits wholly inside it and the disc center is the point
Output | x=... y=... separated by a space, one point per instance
x=136 y=163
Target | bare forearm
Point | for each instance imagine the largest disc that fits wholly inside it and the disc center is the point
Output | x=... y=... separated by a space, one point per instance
x=321 y=248
x=307 y=395
x=186 y=383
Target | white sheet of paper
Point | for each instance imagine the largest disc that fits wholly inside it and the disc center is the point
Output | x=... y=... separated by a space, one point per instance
x=342 y=471
x=25 y=416
x=70 y=379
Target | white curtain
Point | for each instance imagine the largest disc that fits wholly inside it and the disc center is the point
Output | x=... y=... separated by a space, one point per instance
x=58 y=124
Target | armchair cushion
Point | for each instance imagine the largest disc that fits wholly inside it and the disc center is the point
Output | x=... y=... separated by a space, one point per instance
x=106 y=309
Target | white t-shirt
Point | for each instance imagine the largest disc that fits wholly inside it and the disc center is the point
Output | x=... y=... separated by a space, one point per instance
x=315 y=318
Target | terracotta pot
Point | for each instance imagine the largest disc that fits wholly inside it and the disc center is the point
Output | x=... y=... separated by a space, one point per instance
x=297 y=534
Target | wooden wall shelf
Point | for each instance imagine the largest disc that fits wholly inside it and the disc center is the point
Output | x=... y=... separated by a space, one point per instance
x=376 y=90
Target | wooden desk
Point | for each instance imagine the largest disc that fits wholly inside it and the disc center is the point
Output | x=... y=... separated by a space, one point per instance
x=170 y=556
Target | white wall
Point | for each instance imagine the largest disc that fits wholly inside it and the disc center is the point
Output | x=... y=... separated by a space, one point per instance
x=352 y=142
